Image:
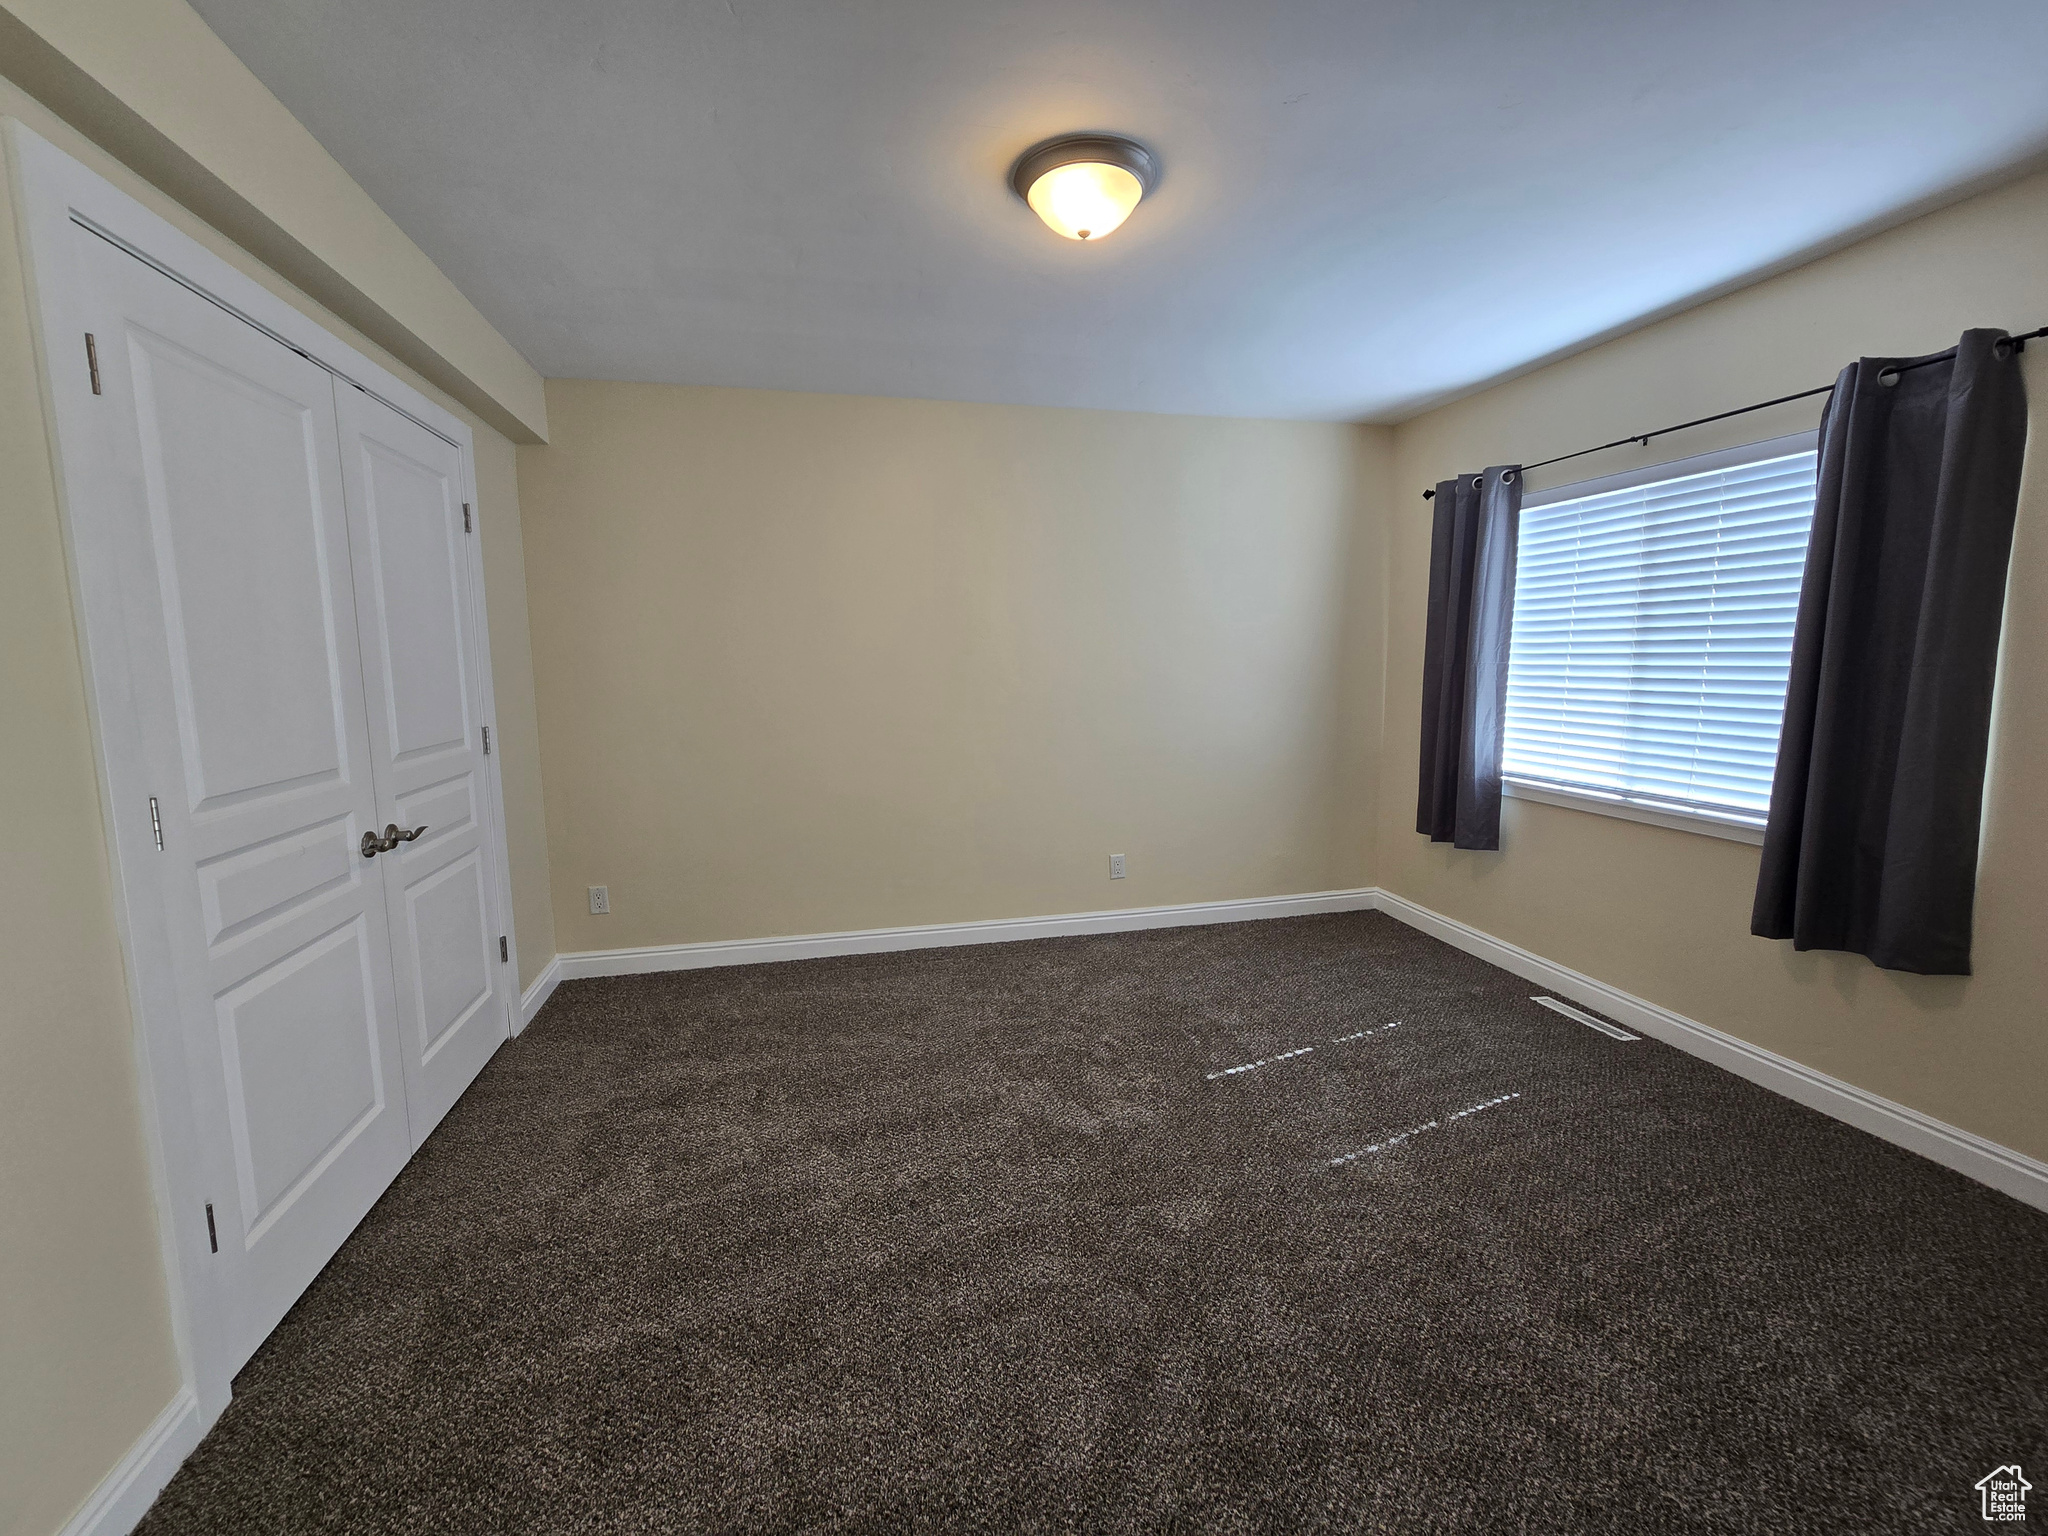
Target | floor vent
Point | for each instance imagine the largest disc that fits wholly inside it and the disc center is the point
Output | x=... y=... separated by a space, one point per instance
x=1605 y=1028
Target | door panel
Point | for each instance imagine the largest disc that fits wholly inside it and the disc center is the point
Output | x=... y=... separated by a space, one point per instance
x=268 y=881
x=303 y=1073
x=419 y=630
x=444 y=912
x=412 y=516
x=217 y=499
x=255 y=671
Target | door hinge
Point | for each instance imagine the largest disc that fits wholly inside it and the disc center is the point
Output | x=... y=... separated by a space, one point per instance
x=504 y=949
x=92 y=361
x=465 y=517
x=487 y=741
x=212 y=1237
x=156 y=824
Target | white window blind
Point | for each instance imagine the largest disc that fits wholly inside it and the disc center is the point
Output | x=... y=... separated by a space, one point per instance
x=1653 y=634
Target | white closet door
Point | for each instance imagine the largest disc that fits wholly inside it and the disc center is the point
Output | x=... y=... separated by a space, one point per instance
x=214 y=518
x=420 y=632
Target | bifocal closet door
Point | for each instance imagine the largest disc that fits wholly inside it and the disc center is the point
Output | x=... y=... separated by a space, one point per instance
x=418 y=620
x=213 y=539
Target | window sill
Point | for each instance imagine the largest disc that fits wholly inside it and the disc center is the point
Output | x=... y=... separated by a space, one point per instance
x=1703 y=822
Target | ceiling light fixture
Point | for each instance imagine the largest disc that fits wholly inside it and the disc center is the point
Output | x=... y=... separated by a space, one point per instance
x=1085 y=184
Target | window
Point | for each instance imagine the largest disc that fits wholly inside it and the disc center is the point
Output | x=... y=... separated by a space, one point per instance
x=1653 y=633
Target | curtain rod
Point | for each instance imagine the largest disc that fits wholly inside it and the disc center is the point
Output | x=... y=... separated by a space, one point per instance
x=2019 y=344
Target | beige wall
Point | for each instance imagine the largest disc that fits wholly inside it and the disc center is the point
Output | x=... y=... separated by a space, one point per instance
x=148 y=81
x=814 y=662
x=86 y=1353
x=1666 y=914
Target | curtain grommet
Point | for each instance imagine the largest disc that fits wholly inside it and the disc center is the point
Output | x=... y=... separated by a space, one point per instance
x=1888 y=378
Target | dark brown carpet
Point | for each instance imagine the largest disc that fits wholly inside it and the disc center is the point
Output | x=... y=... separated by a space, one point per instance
x=971 y=1239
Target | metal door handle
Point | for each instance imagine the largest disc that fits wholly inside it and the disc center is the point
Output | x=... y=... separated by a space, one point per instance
x=393 y=836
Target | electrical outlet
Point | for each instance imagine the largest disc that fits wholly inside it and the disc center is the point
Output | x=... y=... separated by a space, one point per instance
x=1116 y=866
x=600 y=900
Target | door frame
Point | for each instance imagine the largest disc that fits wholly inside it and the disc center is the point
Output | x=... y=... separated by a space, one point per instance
x=53 y=193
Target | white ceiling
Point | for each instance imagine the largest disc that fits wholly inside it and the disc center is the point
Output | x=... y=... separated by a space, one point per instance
x=1367 y=203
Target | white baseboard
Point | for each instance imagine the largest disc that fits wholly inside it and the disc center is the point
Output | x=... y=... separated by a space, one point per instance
x=872 y=941
x=2014 y=1173
x=125 y=1493
x=534 y=997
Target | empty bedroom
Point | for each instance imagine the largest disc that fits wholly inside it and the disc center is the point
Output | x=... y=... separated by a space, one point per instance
x=1140 y=766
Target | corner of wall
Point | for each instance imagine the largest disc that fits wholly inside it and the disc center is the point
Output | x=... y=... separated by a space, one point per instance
x=1364 y=643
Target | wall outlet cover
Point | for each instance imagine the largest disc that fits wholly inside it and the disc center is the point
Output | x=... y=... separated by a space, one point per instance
x=1116 y=866
x=600 y=900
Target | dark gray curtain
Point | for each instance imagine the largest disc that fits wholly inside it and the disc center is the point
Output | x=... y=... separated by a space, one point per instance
x=1872 y=840
x=1465 y=656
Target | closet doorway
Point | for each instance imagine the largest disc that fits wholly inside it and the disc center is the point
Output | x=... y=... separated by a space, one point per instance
x=281 y=603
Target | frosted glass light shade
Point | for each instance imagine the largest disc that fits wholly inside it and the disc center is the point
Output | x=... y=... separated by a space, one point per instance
x=1085 y=200
x=1085 y=184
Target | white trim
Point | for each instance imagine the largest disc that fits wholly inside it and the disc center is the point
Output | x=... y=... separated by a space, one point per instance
x=42 y=179
x=125 y=1494
x=2014 y=1173
x=372 y=389
x=54 y=194
x=535 y=997
x=873 y=941
x=497 y=837
x=1706 y=823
